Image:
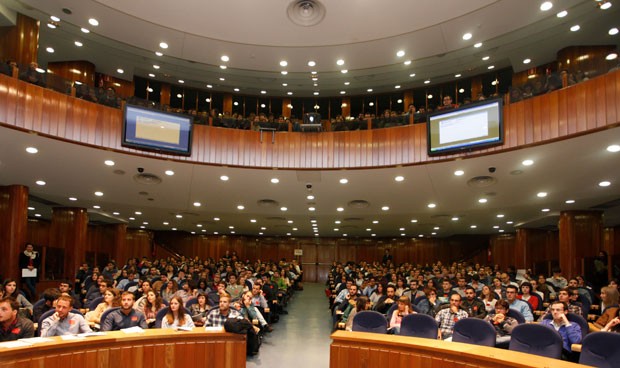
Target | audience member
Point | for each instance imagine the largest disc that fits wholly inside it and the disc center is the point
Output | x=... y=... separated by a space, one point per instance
x=63 y=321
x=518 y=305
x=111 y=299
x=446 y=318
x=472 y=305
x=49 y=295
x=125 y=316
x=176 y=317
x=13 y=326
x=11 y=291
x=218 y=316
x=501 y=322
x=570 y=332
x=404 y=308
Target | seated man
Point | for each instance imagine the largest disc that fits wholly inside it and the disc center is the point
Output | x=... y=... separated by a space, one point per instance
x=518 y=305
x=218 y=316
x=12 y=326
x=125 y=317
x=447 y=317
x=49 y=295
x=386 y=301
x=564 y=297
x=503 y=324
x=472 y=305
x=65 y=287
x=570 y=332
x=64 y=322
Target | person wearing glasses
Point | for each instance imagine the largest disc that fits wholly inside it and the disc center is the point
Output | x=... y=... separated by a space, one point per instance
x=518 y=305
x=447 y=317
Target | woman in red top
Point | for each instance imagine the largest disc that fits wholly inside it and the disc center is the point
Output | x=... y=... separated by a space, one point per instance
x=526 y=289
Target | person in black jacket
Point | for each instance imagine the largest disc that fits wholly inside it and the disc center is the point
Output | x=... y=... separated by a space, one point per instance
x=29 y=262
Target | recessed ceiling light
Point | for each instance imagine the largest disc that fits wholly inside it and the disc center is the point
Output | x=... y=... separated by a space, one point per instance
x=236 y=89
x=224 y=178
x=133 y=218
x=339 y=209
x=283 y=63
x=179 y=95
x=222 y=79
x=275 y=180
x=429 y=96
x=375 y=221
x=500 y=215
x=311 y=63
x=527 y=61
x=163 y=45
x=427 y=81
x=343 y=92
x=151 y=75
x=284 y=84
x=613 y=31
x=399 y=178
x=223 y=67
x=347 y=83
x=604 y=183
x=209 y=86
x=54 y=18
x=478 y=45
x=40 y=182
x=37 y=215
x=455 y=218
x=496 y=227
x=459 y=172
x=385 y=208
x=289 y=93
x=311 y=209
x=412 y=75
x=569 y=201
x=483 y=200
x=218 y=219
x=138 y=213
x=340 y=62
x=400 y=53
x=155 y=66
x=547 y=5
x=527 y=162
x=485 y=58
x=284 y=72
x=50 y=50
x=371 y=104
x=575 y=28
x=263 y=92
x=224 y=58
x=562 y=14
x=109 y=162
x=78 y=44
x=344 y=181
x=197 y=204
x=606 y=5
x=431 y=205
x=407 y=62
x=369 y=90
x=310 y=197
x=611 y=56
x=240 y=207
x=283 y=209
x=457 y=75
x=397 y=86
x=96 y=207
x=613 y=148
x=73 y=199
x=473 y=226
x=490 y=67
x=99 y=194
x=467 y=36
x=51 y=25
x=545 y=210
x=34 y=150
x=541 y=194
x=344 y=71
x=509 y=222
x=93 y=22
x=120 y=71
x=169 y=172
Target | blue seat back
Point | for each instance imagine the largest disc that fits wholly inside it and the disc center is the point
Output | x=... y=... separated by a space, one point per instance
x=474 y=331
x=104 y=315
x=536 y=339
x=516 y=315
x=419 y=325
x=600 y=349
x=93 y=305
x=369 y=321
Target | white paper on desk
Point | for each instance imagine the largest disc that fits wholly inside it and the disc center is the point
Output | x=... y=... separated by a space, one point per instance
x=36 y=340
x=29 y=273
x=214 y=329
x=71 y=337
x=185 y=328
x=89 y=334
x=135 y=329
x=14 y=344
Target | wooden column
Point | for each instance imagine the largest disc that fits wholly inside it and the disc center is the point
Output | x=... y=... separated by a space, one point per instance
x=228 y=103
x=611 y=245
x=286 y=111
x=581 y=235
x=120 y=242
x=13 y=226
x=164 y=94
x=476 y=87
x=68 y=231
x=21 y=41
x=346 y=110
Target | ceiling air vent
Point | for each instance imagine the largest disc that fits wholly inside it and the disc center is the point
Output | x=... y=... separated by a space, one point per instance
x=267 y=203
x=481 y=181
x=358 y=203
x=147 y=179
x=306 y=13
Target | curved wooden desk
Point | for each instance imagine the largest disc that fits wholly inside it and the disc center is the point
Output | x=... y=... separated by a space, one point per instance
x=361 y=349
x=153 y=348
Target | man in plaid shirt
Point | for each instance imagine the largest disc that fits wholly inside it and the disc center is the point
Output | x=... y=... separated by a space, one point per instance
x=217 y=317
x=447 y=317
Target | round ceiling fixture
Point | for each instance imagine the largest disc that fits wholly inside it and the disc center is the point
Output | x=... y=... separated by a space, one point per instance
x=146 y=178
x=306 y=13
x=481 y=181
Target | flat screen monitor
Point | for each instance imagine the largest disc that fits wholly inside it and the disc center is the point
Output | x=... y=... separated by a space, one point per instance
x=157 y=131
x=466 y=128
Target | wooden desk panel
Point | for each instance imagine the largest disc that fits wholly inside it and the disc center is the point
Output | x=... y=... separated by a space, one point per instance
x=158 y=348
x=360 y=349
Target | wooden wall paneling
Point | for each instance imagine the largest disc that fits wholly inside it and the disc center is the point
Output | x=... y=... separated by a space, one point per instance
x=21 y=41
x=591 y=96
x=268 y=250
x=74 y=70
x=600 y=103
x=38 y=232
x=612 y=88
x=554 y=117
x=562 y=112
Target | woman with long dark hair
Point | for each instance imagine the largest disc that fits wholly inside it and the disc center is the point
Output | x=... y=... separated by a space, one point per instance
x=176 y=317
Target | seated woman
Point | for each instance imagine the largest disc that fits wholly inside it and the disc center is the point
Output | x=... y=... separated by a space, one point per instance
x=152 y=305
x=609 y=300
x=404 y=308
x=249 y=311
x=171 y=288
x=377 y=294
x=199 y=310
x=362 y=304
x=526 y=295
x=10 y=290
x=111 y=299
x=488 y=298
x=176 y=317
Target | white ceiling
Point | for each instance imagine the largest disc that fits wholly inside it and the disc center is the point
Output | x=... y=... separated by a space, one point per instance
x=366 y=34
x=569 y=169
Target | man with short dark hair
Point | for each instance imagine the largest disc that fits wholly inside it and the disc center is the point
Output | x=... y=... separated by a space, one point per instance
x=447 y=317
x=125 y=317
x=472 y=305
x=12 y=326
x=218 y=316
x=386 y=301
x=570 y=332
x=413 y=292
x=517 y=304
x=501 y=322
x=49 y=295
x=63 y=321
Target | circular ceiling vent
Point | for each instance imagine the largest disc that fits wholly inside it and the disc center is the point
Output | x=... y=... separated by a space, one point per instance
x=306 y=13
x=146 y=178
x=267 y=203
x=481 y=181
x=358 y=203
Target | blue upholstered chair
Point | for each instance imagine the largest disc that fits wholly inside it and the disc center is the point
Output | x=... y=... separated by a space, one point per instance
x=536 y=339
x=516 y=315
x=104 y=315
x=419 y=325
x=370 y=321
x=190 y=302
x=474 y=331
x=93 y=304
x=600 y=349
